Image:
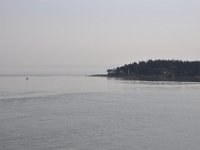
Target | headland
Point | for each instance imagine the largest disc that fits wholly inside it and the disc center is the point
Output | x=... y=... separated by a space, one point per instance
x=157 y=70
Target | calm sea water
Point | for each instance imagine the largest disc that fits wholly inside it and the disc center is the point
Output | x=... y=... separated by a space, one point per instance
x=92 y=113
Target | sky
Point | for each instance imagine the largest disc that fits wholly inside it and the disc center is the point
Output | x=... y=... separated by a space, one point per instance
x=96 y=34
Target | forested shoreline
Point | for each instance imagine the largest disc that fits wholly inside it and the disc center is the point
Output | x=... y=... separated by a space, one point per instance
x=172 y=70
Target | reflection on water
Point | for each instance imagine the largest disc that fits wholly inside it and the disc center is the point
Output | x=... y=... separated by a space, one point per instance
x=81 y=113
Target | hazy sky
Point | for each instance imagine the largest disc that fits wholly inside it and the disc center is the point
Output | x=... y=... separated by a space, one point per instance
x=97 y=32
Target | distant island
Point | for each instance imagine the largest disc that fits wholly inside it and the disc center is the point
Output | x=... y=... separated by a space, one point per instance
x=158 y=70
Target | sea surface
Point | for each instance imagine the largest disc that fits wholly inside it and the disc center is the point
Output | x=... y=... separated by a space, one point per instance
x=96 y=113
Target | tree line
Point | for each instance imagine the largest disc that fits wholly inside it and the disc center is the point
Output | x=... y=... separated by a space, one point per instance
x=158 y=67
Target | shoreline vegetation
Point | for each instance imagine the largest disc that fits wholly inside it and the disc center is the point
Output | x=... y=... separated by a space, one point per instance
x=157 y=70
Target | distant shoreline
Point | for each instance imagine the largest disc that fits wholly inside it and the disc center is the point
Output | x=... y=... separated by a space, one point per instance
x=157 y=70
x=151 y=78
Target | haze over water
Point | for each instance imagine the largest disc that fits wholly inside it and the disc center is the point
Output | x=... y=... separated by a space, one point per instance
x=46 y=40
x=81 y=113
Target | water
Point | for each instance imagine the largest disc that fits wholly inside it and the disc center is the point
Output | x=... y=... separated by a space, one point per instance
x=91 y=113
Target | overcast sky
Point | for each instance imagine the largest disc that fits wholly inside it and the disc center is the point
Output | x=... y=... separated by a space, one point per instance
x=97 y=32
